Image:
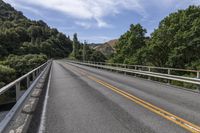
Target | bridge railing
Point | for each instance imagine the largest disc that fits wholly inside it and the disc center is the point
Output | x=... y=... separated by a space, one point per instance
x=31 y=79
x=148 y=68
x=150 y=71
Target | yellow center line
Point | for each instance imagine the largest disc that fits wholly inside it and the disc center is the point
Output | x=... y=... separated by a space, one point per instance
x=171 y=117
x=189 y=126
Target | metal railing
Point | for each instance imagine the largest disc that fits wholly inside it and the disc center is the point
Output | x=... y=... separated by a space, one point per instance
x=150 y=71
x=31 y=79
x=146 y=68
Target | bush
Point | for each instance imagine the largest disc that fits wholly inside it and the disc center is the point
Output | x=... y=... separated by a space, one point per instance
x=25 y=63
x=7 y=75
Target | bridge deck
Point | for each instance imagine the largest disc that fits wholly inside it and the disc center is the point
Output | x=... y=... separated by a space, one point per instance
x=78 y=102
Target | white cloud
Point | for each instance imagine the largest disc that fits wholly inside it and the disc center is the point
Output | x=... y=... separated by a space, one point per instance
x=22 y=7
x=85 y=25
x=86 y=12
x=93 y=10
x=96 y=38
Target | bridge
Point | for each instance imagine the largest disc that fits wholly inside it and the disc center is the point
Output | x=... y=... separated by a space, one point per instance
x=64 y=96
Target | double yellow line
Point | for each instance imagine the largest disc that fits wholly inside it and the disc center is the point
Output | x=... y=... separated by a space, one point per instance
x=171 y=117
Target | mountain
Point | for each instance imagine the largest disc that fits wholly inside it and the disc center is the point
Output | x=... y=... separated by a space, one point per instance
x=107 y=48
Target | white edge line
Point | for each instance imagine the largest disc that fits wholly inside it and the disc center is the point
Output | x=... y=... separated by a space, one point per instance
x=43 y=117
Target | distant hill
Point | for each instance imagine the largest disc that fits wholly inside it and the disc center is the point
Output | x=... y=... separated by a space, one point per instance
x=93 y=45
x=107 y=48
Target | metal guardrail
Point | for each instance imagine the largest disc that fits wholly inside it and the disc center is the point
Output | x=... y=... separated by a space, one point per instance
x=148 y=72
x=147 y=68
x=32 y=79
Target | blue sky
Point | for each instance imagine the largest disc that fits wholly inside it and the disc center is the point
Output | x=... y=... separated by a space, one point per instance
x=99 y=20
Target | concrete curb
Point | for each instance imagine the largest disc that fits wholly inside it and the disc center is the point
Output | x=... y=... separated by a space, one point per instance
x=23 y=120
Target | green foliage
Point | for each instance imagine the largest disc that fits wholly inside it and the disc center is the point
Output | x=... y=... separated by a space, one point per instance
x=7 y=74
x=26 y=44
x=76 y=46
x=25 y=63
x=19 y=36
x=97 y=56
x=128 y=45
x=84 y=52
x=176 y=42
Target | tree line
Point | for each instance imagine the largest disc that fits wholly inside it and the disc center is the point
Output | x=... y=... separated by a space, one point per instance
x=26 y=44
x=83 y=52
x=175 y=43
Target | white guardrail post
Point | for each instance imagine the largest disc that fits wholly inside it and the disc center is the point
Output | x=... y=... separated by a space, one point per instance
x=137 y=70
x=198 y=76
x=21 y=98
x=169 y=73
x=17 y=87
x=27 y=81
x=149 y=69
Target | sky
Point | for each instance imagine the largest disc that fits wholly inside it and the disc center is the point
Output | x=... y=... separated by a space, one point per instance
x=98 y=21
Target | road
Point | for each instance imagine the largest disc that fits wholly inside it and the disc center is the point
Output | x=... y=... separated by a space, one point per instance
x=89 y=100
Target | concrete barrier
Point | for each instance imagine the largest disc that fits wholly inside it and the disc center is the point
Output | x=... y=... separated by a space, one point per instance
x=23 y=120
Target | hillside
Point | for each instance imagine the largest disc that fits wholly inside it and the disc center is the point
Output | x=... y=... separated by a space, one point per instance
x=31 y=37
x=25 y=44
x=93 y=45
x=107 y=48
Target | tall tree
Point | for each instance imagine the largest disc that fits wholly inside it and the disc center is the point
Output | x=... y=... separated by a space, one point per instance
x=84 y=50
x=75 y=52
x=176 y=42
x=128 y=45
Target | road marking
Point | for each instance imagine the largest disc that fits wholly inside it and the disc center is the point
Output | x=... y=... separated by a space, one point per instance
x=171 y=117
x=44 y=110
x=185 y=124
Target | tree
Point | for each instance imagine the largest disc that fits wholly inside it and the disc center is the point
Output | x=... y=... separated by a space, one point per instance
x=34 y=33
x=7 y=74
x=84 y=50
x=25 y=44
x=128 y=45
x=176 y=42
x=97 y=56
x=75 y=46
x=29 y=36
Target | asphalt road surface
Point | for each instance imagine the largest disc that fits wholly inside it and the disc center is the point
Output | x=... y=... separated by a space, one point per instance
x=90 y=100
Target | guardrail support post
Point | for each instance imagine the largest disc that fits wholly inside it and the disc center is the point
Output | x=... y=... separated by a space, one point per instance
x=27 y=81
x=125 y=68
x=36 y=73
x=169 y=73
x=149 y=69
x=198 y=76
x=17 y=88
x=33 y=76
